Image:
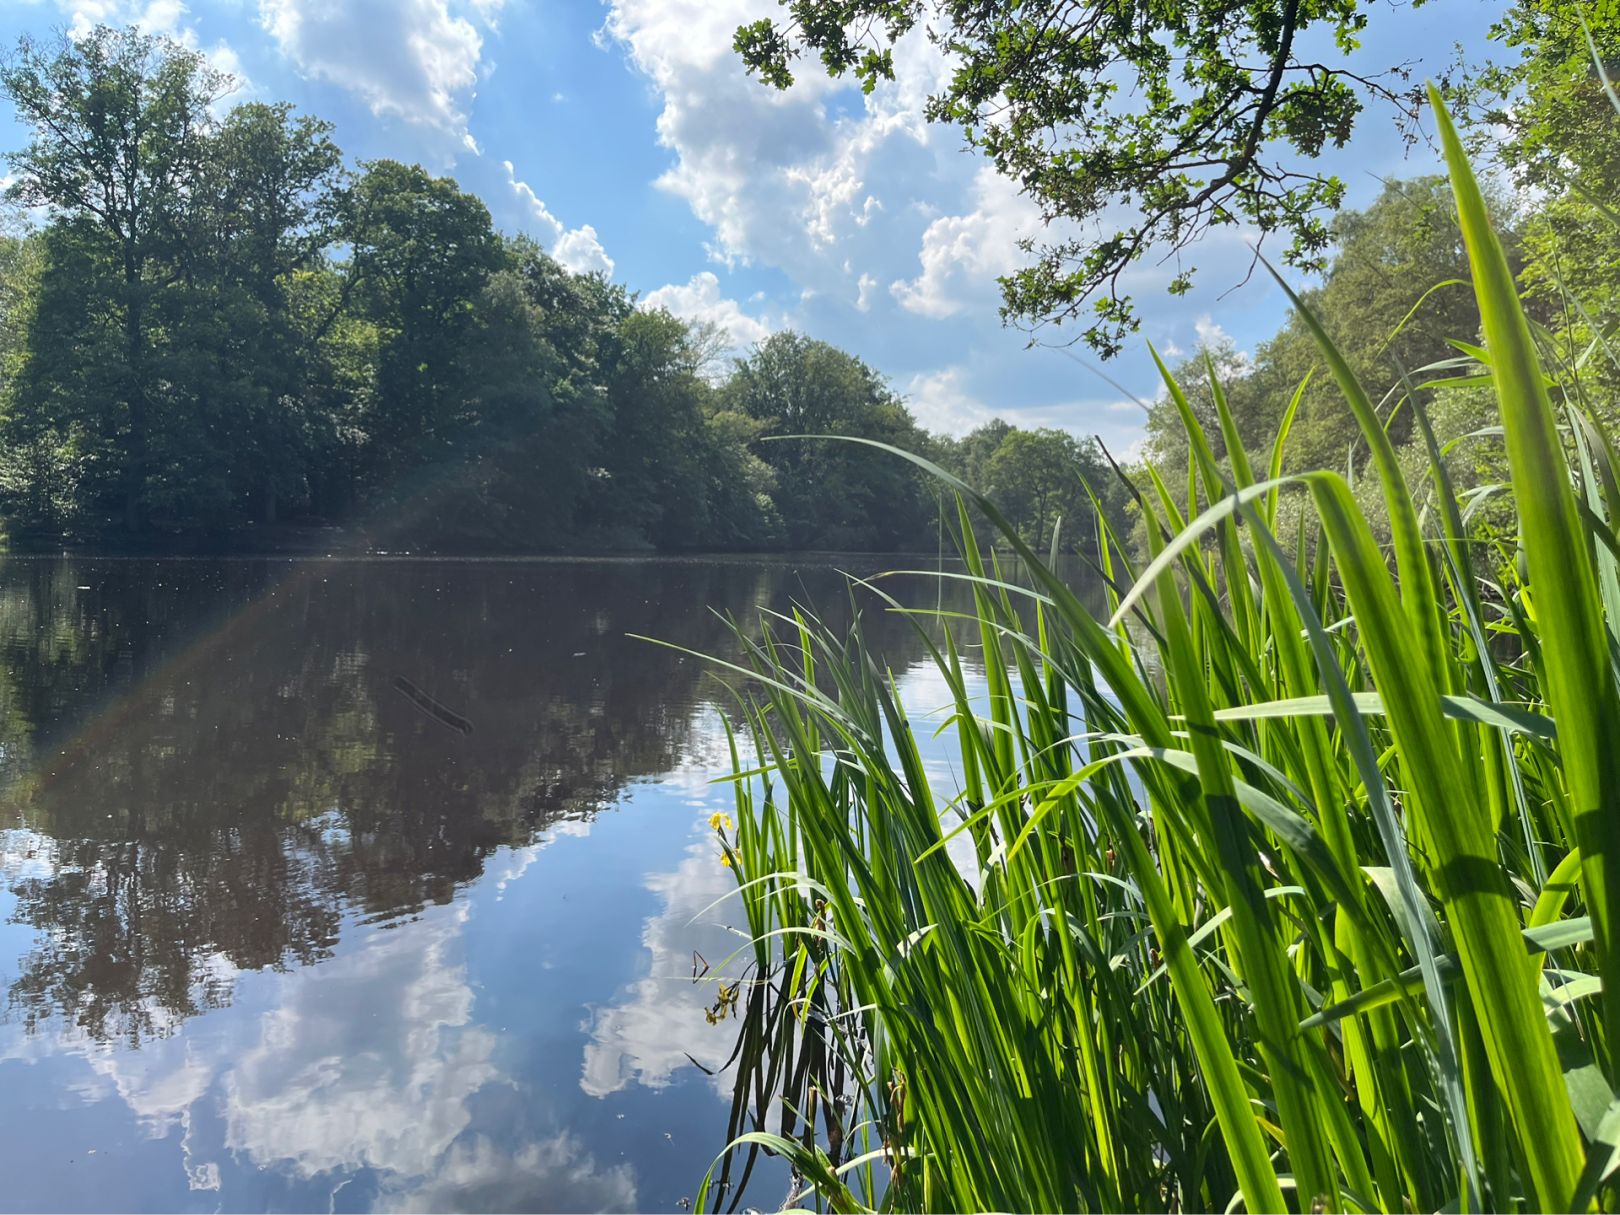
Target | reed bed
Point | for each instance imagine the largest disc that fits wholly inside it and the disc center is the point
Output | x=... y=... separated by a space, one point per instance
x=1295 y=877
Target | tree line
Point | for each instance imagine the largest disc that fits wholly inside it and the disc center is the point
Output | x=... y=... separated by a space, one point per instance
x=1140 y=126
x=220 y=325
x=1397 y=297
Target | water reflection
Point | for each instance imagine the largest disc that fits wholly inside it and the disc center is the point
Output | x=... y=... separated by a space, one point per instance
x=282 y=934
x=224 y=762
x=657 y=1028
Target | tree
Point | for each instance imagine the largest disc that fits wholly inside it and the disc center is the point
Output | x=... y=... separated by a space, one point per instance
x=1035 y=476
x=1550 y=120
x=1190 y=114
x=484 y=493
x=1394 y=296
x=120 y=122
x=832 y=494
x=1550 y=114
x=653 y=482
x=269 y=208
x=422 y=250
x=43 y=450
x=1167 y=441
x=742 y=487
x=969 y=456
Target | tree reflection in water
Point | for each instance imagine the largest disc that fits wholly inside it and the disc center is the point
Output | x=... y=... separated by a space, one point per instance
x=218 y=768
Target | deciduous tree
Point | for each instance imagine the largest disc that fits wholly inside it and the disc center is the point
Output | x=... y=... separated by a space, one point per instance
x=120 y=122
x=1135 y=125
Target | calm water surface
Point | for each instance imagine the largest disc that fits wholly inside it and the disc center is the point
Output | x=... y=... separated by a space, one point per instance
x=274 y=934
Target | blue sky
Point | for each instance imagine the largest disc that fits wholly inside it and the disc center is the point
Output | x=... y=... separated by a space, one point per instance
x=624 y=135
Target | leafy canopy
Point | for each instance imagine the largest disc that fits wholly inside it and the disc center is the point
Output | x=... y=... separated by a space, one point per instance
x=1179 y=115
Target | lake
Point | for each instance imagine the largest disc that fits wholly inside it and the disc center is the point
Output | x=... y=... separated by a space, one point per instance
x=372 y=884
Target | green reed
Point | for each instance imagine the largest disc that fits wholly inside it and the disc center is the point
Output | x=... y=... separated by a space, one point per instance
x=1295 y=881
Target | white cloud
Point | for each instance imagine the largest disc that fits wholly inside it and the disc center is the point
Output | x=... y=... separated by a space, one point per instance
x=945 y=401
x=412 y=59
x=863 y=292
x=160 y=1083
x=827 y=185
x=962 y=255
x=1213 y=336
x=165 y=17
x=581 y=251
x=555 y=1174
x=578 y=249
x=658 y=1026
x=780 y=177
x=321 y=1087
x=489 y=11
x=372 y=1060
x=1210 y=331
x=656 y=1029
x=537 y=209
x=941 y=402
x=699 y=299
x=157 y=17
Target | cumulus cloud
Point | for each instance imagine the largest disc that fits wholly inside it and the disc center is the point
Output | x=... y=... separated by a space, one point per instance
x=165 y=17
x=155 y=16
x=1212 y=336
x=419 y=61
x=1210 y=331
x=941 y=402
x=411 y=59
x=578 y=249
x=780 y=177
x=962 y=255
x=946 y=401
x=864 y=287
x=581 y=251
x=324 y=1090
x=852 y=195
x=553 y=1174
x=489 y=11
x=699 y=299
x=657 y=1028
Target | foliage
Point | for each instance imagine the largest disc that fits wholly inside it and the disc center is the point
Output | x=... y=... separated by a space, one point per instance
x=119 y=120
x=1394 y=300
x=1291 y=880
x=249 y=332
x=265 y=787
x=1555 y=115
x=799 y=390
x=1183 y=116
x=1040 y=479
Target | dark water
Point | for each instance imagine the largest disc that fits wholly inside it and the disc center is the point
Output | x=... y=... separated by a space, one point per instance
x=367 y=885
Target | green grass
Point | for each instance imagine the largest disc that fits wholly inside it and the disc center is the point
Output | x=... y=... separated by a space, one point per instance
x=1296 y=876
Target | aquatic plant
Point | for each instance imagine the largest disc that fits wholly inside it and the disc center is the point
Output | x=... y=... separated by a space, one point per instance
x=1293 y=880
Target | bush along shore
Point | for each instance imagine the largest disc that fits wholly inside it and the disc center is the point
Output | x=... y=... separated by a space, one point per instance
x=1296 y=875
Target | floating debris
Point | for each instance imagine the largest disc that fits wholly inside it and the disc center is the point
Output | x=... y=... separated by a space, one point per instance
x=431 y=707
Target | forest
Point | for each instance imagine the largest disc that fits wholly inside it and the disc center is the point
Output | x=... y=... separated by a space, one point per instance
x=217 y=332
